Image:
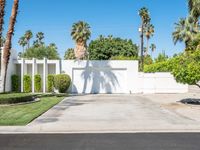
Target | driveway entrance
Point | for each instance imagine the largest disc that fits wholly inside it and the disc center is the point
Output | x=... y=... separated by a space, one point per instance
x=111 y=113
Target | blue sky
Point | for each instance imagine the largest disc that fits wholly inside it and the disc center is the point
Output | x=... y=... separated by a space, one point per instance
x=117 y=17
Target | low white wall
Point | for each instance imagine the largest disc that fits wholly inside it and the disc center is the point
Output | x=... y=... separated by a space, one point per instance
x=160 y=83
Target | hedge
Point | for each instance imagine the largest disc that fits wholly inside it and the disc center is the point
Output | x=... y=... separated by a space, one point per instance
x=37 y=83
x=62 y=82
x=27 y=83
x=16 y=98
x=15 y=80
x=50 y=83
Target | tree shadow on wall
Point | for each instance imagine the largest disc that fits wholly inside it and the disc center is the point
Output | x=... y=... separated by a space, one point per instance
x=99 y=76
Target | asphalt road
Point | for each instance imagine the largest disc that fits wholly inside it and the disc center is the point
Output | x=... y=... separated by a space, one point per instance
x=140 y=141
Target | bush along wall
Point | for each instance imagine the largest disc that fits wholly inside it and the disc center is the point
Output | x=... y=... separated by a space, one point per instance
x=15 y=80
x=37 y=83
x=27 y=83
x=62 y=82
x=50 y=83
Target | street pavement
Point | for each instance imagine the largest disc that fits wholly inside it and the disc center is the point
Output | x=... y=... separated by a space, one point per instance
x=137 y=141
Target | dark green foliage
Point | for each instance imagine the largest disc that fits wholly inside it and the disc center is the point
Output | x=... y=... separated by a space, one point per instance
x=187 y=68
x=161 y=57
x=69 y=54
x=41 y=52
x=165 y=66
x=104 y=48
x=16 y=98
x=27 y=83
x=50 y=83
x=62 y=82
x=15 y=79
x=37 y=83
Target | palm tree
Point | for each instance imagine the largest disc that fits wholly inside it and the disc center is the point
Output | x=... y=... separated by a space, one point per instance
x=80 y=34
x=144 y=14
x=23 y=42
x=185 y=30
x=194 y=8
x=2 y=13
x=149 y=33
x=28 y=35
x=8 y=43
x=153 y=48
x=39 y=41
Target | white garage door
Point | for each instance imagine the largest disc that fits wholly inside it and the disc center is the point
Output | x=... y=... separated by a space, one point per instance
x=99 y=80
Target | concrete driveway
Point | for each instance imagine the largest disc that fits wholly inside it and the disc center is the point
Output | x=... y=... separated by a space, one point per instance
x=114 y=113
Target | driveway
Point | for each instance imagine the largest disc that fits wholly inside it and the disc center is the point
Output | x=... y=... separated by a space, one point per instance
x=114 y=113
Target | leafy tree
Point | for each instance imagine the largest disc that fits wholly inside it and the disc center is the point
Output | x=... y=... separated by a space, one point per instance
x=148 y=60
x=161 y=57
x=103 y=48
x=41 y=52
x=80 y=34
x=69 y=54
x=2 y=41
x=187 y=68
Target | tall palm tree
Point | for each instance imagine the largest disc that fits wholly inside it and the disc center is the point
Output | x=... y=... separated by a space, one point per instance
x=185 y=30
x=153 y=48
x=23 y=42
x=39 y=39
x=80 y=34
x=28 y=36
x=149 y=33
x=8 y=43
x=144 y=14
x=194 y=8
x=2 y=13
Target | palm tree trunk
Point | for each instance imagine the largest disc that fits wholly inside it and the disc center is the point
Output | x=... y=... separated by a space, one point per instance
x=142 y=48
x=147 y=47
x=8 y=43
x=2 y=13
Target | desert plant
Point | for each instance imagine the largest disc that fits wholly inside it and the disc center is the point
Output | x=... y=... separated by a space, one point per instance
x=15 y=80
x=62 y=82
x=27 y=83
x=50 y=83
x=37 y=83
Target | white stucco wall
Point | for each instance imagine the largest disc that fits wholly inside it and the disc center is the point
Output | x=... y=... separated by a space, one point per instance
x=160 y=83
x=98 y=76
x=101 y=76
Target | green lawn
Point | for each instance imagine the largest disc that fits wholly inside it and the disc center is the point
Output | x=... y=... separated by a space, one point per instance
x=24 y=114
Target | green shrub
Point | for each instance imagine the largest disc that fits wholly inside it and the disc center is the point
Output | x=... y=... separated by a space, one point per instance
x=62 y=82
x=16 y=98
x=165 y=66
x=123 y=58
x=15 y=80
x=50 y=83
x=37 y=83
x=27 y=83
